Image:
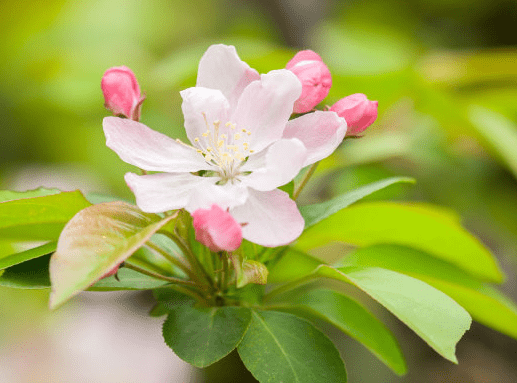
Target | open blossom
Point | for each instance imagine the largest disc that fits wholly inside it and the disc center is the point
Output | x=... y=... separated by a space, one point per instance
x=358 y=111
x=243 y=147
x=314 y=76
x=216 y=229
x=122 y=92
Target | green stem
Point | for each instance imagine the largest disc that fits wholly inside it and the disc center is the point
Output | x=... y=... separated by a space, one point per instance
x=194 y=262
x=158 y=276
x=187 y=291
x=173 y=260
x=225 y=276
x=288 y=286
x=298 y=189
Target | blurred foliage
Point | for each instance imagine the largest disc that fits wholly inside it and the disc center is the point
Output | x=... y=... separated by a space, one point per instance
x=444 y=73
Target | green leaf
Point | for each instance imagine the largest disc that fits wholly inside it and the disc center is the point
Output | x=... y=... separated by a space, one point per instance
x=39 y=218
x=354 y=320
x=424 y=227
x=95 y=241
x=32 y=274
x=171 y=299
x=499 y=132
x=431 y=314
x=312 y=214
x=10 y=195
x=292 y=265
x=128 y=280
x=281 y=347
x=288 y=188
x=203 y=335
x=27 y=255
x=482 y=301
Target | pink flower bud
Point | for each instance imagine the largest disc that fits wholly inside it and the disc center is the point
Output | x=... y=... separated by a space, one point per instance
x=358 y=111
x=121 y=92
x=216 y=229
x=314 y=76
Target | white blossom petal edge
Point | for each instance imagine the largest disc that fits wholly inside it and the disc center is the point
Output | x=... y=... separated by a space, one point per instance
x=243 y=147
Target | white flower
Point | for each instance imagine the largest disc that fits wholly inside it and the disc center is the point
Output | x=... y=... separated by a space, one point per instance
x=242 y=144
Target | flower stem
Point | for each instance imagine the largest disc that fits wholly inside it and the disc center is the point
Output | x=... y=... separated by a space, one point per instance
x=173 y=260
x=298 y=189
x=194 y=262
x=158 y=276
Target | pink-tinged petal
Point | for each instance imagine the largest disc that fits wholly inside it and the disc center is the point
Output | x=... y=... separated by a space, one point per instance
x=122 y=92
x=216 y=229
x=156 y=193
x=315 y=78
x=321 y=133
x=221 y=68
x=272 y=218
x=265 y=107
x=201 y=107
x=306 y=55
x=276 y=165
x=141 y=146
x=358 y=111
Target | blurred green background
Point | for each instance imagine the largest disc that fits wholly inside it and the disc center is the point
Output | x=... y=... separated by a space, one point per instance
x=445 y=76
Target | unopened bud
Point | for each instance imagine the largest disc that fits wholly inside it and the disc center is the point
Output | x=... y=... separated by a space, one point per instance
x=217 y=229
x=358 y=111
x=314 y=76
x=121 y=92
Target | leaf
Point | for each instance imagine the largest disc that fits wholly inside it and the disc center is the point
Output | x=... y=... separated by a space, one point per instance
x=171 y=299
x=312 y=214
x=39 y=218
x=292 y=265
x=10 y=195
x=128 y=280
x=27 y=255
x=353 y=319
x=499 y=132
x=203 y=335
x=431 y=314
x=486 y=305
x=281 y=347
x=95 y=241
x=32 y=274
x=423 y=227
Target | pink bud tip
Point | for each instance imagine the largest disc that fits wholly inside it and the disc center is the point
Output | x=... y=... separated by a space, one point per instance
x=216 y=229
x=314 y=76
x=358 y=111
x=121 y=92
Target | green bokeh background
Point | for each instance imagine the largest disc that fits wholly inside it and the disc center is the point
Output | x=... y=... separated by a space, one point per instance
x=444 y=73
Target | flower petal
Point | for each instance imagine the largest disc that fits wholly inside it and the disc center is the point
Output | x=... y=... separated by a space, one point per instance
x=276 y=165
x=265 y=107
x=221 y=68
x=156 y=193
x=141 y=146
x=201 y=107
x=272 y=218
x=321 y=132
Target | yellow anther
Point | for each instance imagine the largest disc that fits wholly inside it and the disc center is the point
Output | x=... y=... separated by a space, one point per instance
x=223 y=136
x=208 y=157
x=236 y=136
x=220 y=143
x=205 y=134
x=199 y=151
x=196 y=139
x=248 y=132
x=244 y=130
x=228 y=124
x=252 y=151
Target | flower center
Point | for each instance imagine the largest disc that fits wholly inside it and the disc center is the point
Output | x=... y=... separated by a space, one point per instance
x=226 y=147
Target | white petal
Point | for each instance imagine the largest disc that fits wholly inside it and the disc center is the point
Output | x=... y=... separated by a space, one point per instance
x=201 y=107
x=141 y=146
x=156 y=193
x=221 y=68
x=321 y=132
x=272 y=218
x=276 y=165
x=265 y=107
